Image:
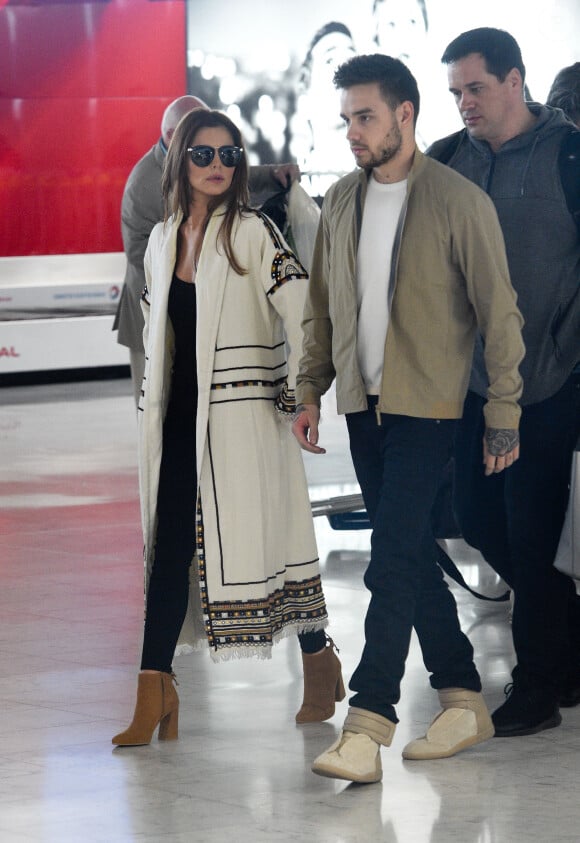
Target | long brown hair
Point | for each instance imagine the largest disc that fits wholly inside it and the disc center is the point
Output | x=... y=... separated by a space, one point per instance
x=175 y=184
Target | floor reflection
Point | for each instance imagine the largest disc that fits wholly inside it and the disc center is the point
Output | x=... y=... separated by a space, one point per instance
x=71 y=608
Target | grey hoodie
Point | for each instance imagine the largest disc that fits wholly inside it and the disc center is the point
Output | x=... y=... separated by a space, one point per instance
x=542 y=243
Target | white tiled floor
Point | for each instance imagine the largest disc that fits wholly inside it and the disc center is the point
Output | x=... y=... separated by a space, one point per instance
x=71 y=613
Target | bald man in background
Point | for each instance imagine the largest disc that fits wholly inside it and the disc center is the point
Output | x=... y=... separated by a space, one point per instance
x=142 y=209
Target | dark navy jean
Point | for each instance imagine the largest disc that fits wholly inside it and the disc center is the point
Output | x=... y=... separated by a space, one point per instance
x=515 y=518
x=398 y=464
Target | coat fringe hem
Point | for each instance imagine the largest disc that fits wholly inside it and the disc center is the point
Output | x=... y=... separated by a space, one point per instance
x=224 y=653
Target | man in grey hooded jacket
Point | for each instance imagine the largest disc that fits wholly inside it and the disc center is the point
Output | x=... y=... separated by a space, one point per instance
x=526 y=157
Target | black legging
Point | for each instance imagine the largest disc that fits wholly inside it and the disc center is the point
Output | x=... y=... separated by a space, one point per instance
x=168 y=591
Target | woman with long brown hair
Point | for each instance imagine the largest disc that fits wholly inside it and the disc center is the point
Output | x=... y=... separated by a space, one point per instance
x=230 y=552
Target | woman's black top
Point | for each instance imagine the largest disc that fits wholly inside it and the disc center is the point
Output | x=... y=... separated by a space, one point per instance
x=176 y=497
x=181 y=310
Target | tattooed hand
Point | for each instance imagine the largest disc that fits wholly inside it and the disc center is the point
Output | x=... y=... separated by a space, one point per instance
x=500 y=440
x=501 y=448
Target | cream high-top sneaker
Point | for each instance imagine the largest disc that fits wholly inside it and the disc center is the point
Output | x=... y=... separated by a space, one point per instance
x=355 y=756
x=464 y=722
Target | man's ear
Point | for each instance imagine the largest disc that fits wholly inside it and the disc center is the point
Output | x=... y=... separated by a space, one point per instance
x=514 y=79
x=406 y=113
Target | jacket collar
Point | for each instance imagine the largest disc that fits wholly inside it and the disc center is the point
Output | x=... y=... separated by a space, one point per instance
x=416 y=167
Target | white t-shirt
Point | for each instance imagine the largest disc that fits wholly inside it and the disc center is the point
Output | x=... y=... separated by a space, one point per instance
x=382 y=209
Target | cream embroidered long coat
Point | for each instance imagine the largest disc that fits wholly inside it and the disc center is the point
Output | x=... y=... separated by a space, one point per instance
x=255 y=575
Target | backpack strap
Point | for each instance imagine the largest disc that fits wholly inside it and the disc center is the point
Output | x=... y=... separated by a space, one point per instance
x=448 y=565
x=443 y=150
x=569 y=167
x=568 y=164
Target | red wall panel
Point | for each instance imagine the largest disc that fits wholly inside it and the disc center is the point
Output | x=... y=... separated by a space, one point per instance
x=82 y=90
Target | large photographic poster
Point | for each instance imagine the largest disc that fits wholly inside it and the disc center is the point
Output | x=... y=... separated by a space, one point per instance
x=269 y=64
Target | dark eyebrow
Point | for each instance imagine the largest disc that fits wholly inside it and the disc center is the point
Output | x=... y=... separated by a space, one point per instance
x=358 y=112
x=475 y=84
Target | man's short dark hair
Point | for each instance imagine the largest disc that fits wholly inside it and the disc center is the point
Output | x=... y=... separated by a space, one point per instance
x=499 y=49
x=565 y=92
x=396 y=82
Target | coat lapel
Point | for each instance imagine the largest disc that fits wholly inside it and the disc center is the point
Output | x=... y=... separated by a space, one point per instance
x=212 y=275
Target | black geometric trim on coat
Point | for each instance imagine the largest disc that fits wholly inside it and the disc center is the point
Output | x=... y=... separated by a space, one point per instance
x=256 y=623
x=252 y=345
x=272 y=230
x=236 y=384
x=285 y=265
x=251 y=366
x=285 y=403
x=230 y=400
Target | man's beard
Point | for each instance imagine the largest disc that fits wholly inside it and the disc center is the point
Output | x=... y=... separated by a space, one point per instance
x=391 y=146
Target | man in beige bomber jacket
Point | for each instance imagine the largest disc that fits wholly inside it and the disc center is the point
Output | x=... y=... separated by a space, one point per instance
x=409 y=264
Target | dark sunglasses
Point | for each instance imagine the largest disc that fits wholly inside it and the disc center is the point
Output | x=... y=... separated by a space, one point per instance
x=202 y=156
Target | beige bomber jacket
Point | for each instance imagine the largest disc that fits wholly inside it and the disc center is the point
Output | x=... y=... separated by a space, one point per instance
x=449 y=279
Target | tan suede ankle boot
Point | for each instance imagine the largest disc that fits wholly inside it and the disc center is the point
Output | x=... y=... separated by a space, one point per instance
x=157 y=704
x=323 y=685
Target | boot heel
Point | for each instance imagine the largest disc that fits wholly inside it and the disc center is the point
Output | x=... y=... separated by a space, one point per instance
x=157 y=704
x=168 y=726
x=323 y=685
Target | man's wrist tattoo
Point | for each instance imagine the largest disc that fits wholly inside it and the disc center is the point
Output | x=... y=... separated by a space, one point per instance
x=500 y=440
x=299 y=409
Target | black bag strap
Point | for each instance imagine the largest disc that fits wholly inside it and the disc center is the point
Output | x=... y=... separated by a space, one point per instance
x=568 y=164
x=569 y=167
x=448 y=565
x=443 y=150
